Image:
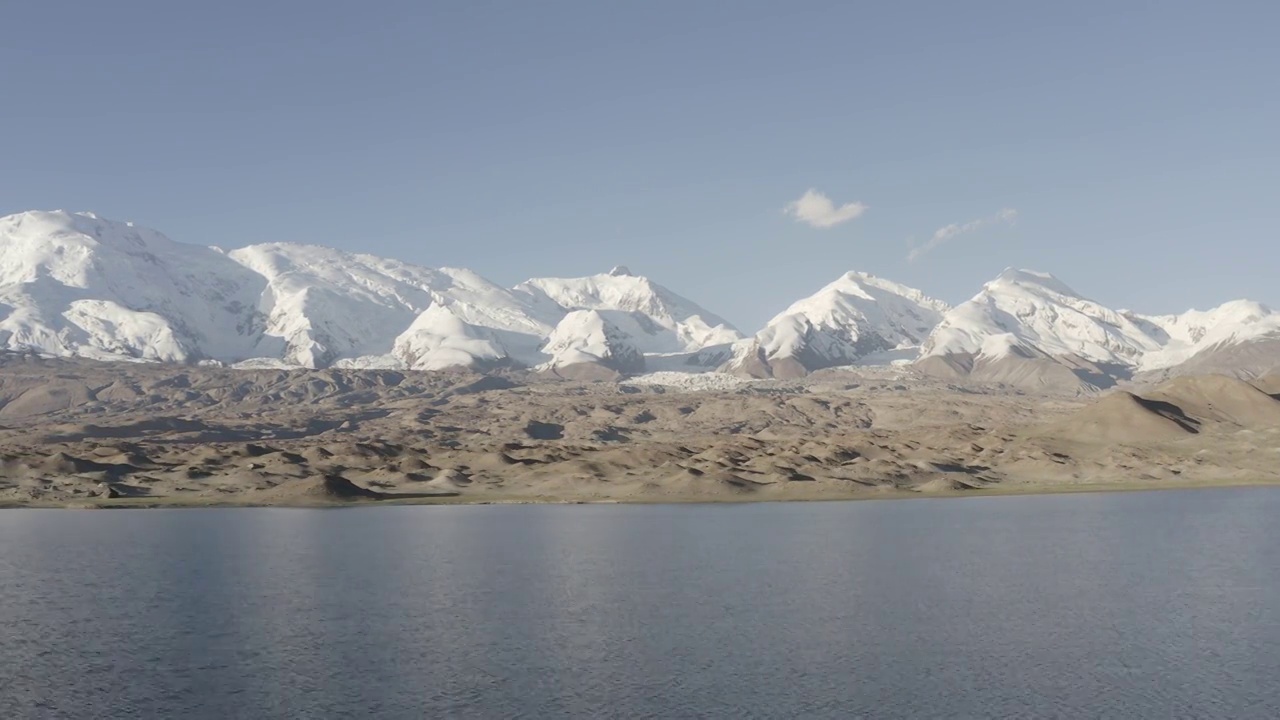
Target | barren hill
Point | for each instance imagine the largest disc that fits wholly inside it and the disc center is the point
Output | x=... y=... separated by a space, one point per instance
x=132 y=433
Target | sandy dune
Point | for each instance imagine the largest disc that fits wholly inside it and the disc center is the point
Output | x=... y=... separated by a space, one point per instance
x=83 y=433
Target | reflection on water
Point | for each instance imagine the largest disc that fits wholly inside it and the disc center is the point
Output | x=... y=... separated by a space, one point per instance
x=1121 y=605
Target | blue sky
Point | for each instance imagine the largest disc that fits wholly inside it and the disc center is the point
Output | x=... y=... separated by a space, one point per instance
x=1131 y=148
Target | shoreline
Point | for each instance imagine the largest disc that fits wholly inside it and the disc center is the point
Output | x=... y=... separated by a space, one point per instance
x=172 y=502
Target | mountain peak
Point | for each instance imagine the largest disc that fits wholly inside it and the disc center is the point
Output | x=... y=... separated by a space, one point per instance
x=1032 y=278
x=856 y=316
x=857 y=277
x=686 y=326
x=1031 y=309
x=620 y=271
x=48 y=224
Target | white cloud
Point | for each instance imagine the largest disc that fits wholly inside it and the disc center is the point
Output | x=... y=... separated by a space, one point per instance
x=816 y=210
x=950 y=232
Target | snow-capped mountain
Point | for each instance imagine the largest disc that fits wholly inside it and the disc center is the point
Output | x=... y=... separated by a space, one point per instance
x=1196 y=333
x=77 y=285
x=74 y=284
x=1023 y=308
x=322 y=304
x=859 y=317
x=678 y=325
x=1025 y=317
x=438 y=339
x=594 y=342
x=667 y=330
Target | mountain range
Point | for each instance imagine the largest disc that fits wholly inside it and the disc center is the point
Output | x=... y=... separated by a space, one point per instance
x=76 y=285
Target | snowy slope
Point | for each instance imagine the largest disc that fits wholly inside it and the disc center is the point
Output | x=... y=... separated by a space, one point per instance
x=1194 y=333
x=439 y=339
x=1025 y=317
x=677 y=324
x=76 y=285
x=857 y=316
x=1028 y=309
x=597 y=337
x=323 y=304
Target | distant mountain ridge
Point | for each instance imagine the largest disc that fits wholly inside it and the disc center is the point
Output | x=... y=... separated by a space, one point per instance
x=1029 y=328
x=76 y=285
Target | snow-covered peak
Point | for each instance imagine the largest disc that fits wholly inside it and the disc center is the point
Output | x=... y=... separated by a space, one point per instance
x=440 y=339
x=71 y=247
x=1193 y=326
x=620 y=271
x=857 y=296
x=1190 y=333
x=686 y=326
x=853 y=317
x=75 y=284
x=1033 y=280
x=1039 y=311
x=597 y=337
x=323 y=304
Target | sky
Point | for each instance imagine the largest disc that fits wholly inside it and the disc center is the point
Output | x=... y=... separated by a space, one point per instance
x=742 y=153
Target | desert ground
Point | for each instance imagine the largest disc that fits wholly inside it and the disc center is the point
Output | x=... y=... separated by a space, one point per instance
x=89 y=434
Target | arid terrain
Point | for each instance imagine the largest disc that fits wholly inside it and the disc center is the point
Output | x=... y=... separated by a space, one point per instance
x=91 y=434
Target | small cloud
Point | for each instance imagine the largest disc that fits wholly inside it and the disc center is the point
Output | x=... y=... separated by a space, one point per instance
x=942 y=235
x=816 y=210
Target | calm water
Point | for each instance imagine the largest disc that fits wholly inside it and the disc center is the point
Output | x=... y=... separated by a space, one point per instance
x=1121 y=605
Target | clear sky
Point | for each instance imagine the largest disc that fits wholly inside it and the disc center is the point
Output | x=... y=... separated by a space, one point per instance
x=1131 y=148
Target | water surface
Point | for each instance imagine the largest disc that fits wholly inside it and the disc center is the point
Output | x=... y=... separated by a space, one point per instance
x=1162 y=604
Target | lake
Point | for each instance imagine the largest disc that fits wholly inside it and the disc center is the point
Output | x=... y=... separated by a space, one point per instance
x=1123 y=605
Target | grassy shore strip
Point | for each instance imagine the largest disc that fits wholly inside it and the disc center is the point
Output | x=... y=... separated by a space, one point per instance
x=1008 y=490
